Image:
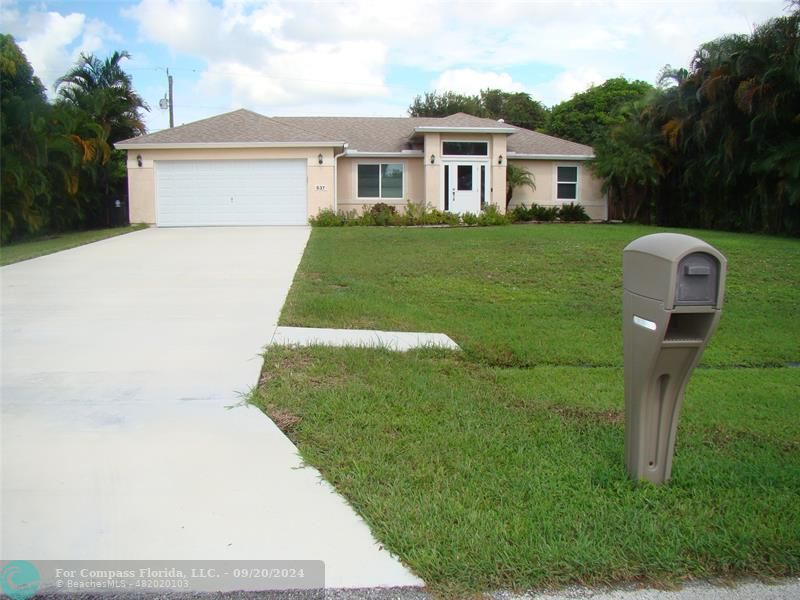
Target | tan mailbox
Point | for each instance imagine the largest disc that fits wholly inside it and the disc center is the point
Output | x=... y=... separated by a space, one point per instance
x=673 y=290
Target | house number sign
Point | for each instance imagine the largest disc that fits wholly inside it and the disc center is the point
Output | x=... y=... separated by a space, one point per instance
x=321 y=188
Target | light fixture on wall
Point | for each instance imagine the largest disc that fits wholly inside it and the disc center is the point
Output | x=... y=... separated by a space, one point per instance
x=433 y=158
x=139 y=159
x=500 y=160
x=319 y=157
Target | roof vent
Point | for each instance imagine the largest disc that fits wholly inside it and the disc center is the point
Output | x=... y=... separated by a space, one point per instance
x=501 y=120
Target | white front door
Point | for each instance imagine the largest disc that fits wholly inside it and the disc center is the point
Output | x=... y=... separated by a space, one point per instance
x=465 y=186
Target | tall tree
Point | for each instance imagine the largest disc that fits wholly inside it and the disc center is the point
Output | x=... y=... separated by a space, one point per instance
x=731 y=128
x=434 y=104
x=516 y=108
x=588 y=116
x=626 y=162
x=103 y=90
x=23 y=130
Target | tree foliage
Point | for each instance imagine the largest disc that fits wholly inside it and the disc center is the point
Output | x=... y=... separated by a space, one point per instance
x=59 y=170
x=517 y=177
x=587 y=117
x=718 y=144
x=516 y=108
x=730 y=133
x=22 y=134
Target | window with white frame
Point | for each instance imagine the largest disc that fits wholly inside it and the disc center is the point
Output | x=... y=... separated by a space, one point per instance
x=567 y=183
x=380 y=180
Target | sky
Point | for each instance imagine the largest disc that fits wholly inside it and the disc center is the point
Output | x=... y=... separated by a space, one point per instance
x=367 y=57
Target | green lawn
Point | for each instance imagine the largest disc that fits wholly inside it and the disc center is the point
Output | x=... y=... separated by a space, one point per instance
x=18 y=251
x=533 y=295
x=502 y=467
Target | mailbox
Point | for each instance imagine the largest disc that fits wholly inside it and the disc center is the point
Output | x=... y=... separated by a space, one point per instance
x=674 y=286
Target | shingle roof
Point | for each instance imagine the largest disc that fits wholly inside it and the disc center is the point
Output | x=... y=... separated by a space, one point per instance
x=239 y=126
x=525 y=141
x=365 y=134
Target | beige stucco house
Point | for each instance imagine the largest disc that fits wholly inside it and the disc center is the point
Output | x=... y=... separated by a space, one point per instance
x=242 y=168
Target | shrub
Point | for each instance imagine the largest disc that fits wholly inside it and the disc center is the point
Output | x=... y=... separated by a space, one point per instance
x=438 y=217
x=327 y=218
x=450 y=218
x=544 y=213
x=415 y=213
x=366 y=218
x=381 y=214
x=490 y=215
x=573 y=212
x=382 y=207
x=469 y=218
x=521 y=213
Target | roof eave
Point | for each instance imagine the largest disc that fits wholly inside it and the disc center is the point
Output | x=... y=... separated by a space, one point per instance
x=381 y=153
x=212 y=145
x=520 y=156
x=438 y=129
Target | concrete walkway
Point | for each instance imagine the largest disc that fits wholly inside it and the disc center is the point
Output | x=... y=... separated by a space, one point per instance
x=367 y=338
x=118 y=362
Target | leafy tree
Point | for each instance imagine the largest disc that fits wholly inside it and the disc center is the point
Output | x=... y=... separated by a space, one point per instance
x=588 y=116
x=514 y=108
x=626 y=161
x=517 y=177
x=433 y=104
x=58 y=168
x=23 y=137
x=730 y=133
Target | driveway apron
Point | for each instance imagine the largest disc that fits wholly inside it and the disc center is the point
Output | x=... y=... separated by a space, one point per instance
x=123 y=432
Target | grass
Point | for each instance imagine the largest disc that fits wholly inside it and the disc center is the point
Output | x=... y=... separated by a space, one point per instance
x=41 y=246
x=501 y=467
x=533 y=295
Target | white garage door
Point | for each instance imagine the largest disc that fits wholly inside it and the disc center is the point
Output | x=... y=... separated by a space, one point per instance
x=231 y=192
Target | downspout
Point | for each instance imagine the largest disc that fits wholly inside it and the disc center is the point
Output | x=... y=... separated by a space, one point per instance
x=336 y=158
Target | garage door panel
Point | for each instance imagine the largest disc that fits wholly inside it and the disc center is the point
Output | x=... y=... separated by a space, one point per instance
x=231 y=192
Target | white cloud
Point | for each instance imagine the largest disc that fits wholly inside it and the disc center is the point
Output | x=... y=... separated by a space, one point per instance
x=252 y=61
x=470 y=81
x=52 y=42
x=334 y=57
x=572 y=82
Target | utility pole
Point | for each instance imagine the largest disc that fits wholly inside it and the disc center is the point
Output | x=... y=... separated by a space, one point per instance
x=171 y=119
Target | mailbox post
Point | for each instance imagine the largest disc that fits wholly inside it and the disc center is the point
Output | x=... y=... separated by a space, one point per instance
x=673 y=290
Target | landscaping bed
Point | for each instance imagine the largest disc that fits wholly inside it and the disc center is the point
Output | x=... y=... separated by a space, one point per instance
x=501 y=467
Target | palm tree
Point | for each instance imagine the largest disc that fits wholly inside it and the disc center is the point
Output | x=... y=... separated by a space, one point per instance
x=103 y=90
x=99 y=95
x=517 y=177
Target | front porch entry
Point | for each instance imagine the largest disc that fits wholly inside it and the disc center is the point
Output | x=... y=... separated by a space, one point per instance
x=466 y=186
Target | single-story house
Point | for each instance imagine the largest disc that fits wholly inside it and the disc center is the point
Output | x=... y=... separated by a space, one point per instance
x=243 y=168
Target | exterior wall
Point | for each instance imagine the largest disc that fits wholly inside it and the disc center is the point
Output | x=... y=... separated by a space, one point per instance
x=346 y=183
x=590 y=193
x=433 y=172
x=498 y=149
x=142 y=180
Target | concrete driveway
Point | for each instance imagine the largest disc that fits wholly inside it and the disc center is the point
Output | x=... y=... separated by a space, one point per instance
x=119 y=360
